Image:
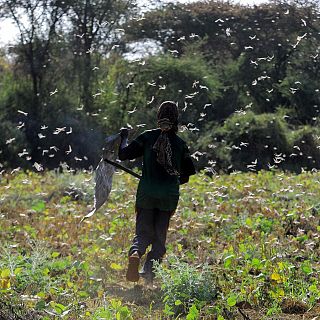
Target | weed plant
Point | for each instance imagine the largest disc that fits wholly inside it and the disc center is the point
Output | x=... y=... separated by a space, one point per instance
x=184 y=285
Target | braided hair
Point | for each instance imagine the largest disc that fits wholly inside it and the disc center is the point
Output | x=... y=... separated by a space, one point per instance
x=168 y=122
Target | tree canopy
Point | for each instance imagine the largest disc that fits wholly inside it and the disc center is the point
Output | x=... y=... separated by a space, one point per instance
x=245 y=78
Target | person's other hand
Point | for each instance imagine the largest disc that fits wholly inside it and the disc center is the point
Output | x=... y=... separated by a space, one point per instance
x=124 y=132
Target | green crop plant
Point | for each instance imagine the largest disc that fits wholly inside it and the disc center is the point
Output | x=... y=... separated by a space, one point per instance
x=253 y=237
x=184 y=286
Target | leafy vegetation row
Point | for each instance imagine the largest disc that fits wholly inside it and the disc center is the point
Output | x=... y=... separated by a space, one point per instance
x=243 y=243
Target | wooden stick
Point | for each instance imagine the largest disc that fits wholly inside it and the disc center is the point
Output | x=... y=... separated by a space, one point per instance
x=119 y=166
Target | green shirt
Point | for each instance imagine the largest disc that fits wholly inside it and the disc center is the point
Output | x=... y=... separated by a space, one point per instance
x=157 y=189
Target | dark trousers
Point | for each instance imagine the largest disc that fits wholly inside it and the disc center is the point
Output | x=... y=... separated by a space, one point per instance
x=151 y=229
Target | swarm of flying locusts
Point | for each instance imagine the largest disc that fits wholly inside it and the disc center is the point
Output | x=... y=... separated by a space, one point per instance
x=198 y=87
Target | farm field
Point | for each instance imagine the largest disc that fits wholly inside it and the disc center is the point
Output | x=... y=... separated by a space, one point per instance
x=240 y=246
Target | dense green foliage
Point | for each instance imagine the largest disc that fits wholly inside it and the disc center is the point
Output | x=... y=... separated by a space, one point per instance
x=242 y=75
x=244 y=240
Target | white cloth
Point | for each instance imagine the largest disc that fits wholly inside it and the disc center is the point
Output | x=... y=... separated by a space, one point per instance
x=104 y=174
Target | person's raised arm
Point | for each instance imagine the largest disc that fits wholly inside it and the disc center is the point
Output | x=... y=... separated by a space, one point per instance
x=131 y=151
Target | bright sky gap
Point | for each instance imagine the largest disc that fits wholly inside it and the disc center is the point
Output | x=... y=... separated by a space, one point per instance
x=8 y=30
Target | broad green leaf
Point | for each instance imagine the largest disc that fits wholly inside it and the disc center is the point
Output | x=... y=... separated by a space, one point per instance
x=39 y=206
x=276 y=277
x=306 y=267
x=55 y=254
x=5 y=273
x=41 y=294
x=116 y=266
x=116 y=304
x=256 y=263
x=84 y=265
x=313 y=288
x=83 y=294
x=17 y=271
x=193 y=313
x=59 y=308
x=177 y=303
x=167 y=310
x=232 y=300
x=45 y=271
x=228 y=261
x=40 y=305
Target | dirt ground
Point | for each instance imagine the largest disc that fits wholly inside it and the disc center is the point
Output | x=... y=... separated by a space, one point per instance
x=249 y=314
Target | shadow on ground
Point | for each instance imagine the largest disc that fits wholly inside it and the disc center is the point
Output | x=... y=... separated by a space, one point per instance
x=137 y=294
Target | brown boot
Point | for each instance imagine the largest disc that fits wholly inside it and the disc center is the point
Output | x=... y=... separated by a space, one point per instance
x=133 y=267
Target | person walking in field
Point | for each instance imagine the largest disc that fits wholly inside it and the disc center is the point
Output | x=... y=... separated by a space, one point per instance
x=166 y=165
